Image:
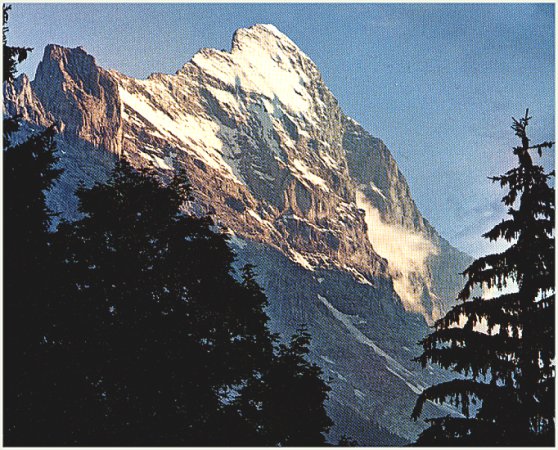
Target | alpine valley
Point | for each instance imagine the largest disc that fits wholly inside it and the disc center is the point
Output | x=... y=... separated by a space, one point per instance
x=307 y=195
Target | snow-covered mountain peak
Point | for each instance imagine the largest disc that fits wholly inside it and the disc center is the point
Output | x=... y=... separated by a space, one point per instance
x=262 y=60
x=269 y=28
x=268 y=37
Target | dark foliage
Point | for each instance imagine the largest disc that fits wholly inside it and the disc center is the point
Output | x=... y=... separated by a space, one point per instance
x=162 y=327
x=507 y=394
x=286 y=403
x=151 y=340
x=28 y=172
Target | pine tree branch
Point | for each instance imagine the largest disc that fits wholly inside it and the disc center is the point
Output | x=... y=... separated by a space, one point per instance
x=472 y=362
x=456 y=432
x=501 y=311
x=467 y=337
x=460 y=393
x=492 y=270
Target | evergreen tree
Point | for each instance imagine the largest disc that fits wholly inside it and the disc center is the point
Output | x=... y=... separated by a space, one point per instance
x=294 y=406
x=158 y=328
x=29 y=171
x=507 y=390
x=147 y=338
x=285 y=404
x=154 y=338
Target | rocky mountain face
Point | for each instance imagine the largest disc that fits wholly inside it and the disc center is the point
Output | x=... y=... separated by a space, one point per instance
x=305 y=193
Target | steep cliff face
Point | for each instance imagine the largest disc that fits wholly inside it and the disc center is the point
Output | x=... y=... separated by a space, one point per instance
x=272 y=157
x=82 y=97
x=261 y=137
x=421 y=263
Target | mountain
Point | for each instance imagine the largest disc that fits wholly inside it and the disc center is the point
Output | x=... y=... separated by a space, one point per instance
x=305 y=193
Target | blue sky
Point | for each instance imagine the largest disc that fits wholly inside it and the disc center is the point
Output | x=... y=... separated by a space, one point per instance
x=438 y=83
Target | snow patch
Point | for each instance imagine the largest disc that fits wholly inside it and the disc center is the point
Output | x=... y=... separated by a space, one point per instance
x=260 y=62
x=414 y=388
x=377 y=190
x=305 y=173
x=263 y=176
x=328 y=161
x=161 y=163
x=256 y=216
x=224 y=97
x=359 y=277
x=341 y=377
x=359 y=394
x=199 y=134
x=145 y=156
x=300 y=259
x=391 y=364
x=327 y=360
x=237 y=241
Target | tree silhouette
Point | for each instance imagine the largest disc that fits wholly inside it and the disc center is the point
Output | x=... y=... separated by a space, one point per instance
x=503 y=346
x=152 y=339
x=158 y=328
x=29 y=171
x=285 y=404
x=294 y=406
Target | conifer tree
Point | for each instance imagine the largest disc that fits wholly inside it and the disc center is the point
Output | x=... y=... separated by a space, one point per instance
x=294 y=406
x=158 y=328
x=27 y=253
x=29 y=171
x=155 y=338
x=503 y=346
x=284 y=405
